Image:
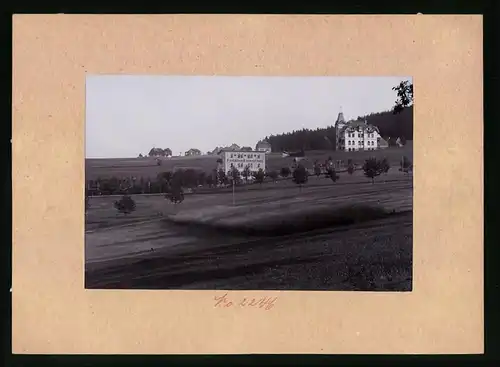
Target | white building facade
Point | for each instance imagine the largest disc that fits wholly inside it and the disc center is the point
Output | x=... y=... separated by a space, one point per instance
x=242 y=159
x=356 y=135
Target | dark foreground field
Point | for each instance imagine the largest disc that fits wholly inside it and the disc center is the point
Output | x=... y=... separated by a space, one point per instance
x=370 y=256
x=200 y=243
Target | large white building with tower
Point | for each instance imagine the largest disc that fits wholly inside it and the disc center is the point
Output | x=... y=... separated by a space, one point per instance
x=357 y=135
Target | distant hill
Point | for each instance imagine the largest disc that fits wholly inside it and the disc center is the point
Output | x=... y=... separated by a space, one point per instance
x=389 y=124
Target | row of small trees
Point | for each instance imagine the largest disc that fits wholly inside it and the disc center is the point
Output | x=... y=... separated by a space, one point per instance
x=172 y=183
x=190 y=178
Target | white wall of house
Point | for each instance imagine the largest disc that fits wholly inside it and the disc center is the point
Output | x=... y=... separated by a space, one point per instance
x=264 y=149
x=360 y=140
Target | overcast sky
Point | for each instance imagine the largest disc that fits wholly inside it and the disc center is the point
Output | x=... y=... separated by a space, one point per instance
x=128 y=115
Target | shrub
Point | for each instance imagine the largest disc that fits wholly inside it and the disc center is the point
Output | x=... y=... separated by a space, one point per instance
x=234 y=175
x=372 y=168
x=202 y=178
x=405 y=165
x=221 y=177
x=176 y=194
x=209 y=180
x=259 y=176
x=155 y=187
x=167 y=176
x=110 y=186
x=317 y=169
x=273 y=175
x=125 y=205
x=300 y=175
x=384 y=166
x=285 y=172
x=190 y=177
x=246 y=172
x=135 y=189
x=332 y=174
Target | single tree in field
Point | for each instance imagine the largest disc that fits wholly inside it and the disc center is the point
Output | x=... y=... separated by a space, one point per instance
x=405 y=96
x=372 y=168
x=300 y=175
x=221 y=177
x=191 y=178
x=209 y=180
x=246 y=172
x=176 y=192
x=259 y=176
x=350 y=166
x=234 y=175
x=125 y=205
x=406 y=165
x=317 y=169
x=273 y=175
x=164 y=178
x=385 y=166
x=332 y=173
x=202 y=178
x=285 y=172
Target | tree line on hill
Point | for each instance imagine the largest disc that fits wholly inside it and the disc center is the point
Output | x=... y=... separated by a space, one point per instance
x=397 y=123
x=390 y=126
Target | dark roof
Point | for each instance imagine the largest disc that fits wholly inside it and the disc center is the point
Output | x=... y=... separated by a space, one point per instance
x=359 y=124
x=263 y=142
x=340 y=118
x=382 y=142
x=236 y=151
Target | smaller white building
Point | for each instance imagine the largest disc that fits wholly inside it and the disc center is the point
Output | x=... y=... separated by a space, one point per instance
x=242 y=159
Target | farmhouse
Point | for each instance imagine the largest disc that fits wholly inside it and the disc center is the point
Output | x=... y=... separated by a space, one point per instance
x=357 y=135
x=192 y=152
x=240 y=159
x=263 y=146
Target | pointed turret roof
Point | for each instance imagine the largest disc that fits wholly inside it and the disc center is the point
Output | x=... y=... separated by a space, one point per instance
x=340 y=118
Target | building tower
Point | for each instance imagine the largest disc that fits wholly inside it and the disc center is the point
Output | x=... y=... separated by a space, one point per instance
x=339 y=124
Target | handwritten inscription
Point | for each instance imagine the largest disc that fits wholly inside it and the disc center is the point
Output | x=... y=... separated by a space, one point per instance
x=265 y=303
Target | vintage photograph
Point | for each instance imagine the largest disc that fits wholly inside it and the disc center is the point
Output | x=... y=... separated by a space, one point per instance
x=249 y=183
